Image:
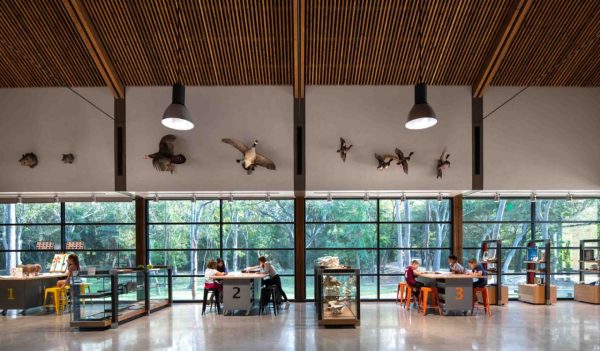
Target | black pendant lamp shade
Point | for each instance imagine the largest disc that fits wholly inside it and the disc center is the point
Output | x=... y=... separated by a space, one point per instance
x=421 y=115
x=176 y=115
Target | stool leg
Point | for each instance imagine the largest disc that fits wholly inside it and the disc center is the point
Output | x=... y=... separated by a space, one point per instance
x=56 y=303
x=204 y=301
x=408 y=298
x=424 y=302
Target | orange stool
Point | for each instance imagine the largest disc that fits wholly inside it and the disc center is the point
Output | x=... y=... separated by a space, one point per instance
x=485 y=297
x=409 y=296
x=401 y=292
x=424 y=297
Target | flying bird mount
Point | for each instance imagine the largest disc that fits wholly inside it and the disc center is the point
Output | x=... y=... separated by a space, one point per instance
x=68 y=158
x=29 y=159
x=344 y=148
x=443 y=164
x=250 y=158
x=165 y=159
x=384 y=161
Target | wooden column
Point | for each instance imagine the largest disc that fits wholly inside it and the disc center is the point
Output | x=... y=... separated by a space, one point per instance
x=299 y=257
x=120 y=169
x=477 y=144
x=457 y=226
x=140 y=231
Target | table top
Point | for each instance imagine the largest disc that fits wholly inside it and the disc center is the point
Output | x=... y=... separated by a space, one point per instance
x=235 y=275
x=41 y=276
x=446 y=275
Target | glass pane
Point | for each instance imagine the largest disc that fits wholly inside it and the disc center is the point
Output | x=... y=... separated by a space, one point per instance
x=564 y=284
x=567 y=234
x=368 y=287
x=341 y=211
x=395 y=261
x=100 y=212
x=511 y=234
x=563 y=210
x=388 y=286
x=513 y=282
x=106 y=260
x=365 y=260
x=105 y=237
x=258 y=236
x=29 y=213
x=310 y=287
x=258 y=211
x=512 y=258
x=433 y=235
x=341 y=235
x=414 y=210
x=186 y=211
x=188 y=288
x=289 y=285
x=183 y=236
x=10 y=260
x=282 y=260
x=505 y=210
x=180 y=260
x=24 y=237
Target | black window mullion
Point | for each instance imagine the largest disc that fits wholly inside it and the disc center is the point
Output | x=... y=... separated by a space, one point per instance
x=221 y=243
x=378 y=252
x=63 y=228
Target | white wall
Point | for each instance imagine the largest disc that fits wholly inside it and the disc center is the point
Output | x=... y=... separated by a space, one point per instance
x=544 y=139
x=246 y=113
x=50 y=122
x=372 y=119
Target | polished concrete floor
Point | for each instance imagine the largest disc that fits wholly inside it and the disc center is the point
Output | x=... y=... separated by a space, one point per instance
x=518 y=326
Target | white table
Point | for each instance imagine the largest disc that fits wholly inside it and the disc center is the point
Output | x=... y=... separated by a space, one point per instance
x=241 y=291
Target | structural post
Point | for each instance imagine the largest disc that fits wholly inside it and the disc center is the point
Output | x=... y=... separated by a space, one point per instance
x=477 y=131
x=120 y=169
x=457 y=226
x=299 y=256
x=140 y=231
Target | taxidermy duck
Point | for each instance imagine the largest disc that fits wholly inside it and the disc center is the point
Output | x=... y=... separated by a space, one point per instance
x=68 y=158
x=251 y=158
x=443 y=164
x=29 y=159
x=384 y=161
x=165 y=159
x=403 y=160
x=344 y=148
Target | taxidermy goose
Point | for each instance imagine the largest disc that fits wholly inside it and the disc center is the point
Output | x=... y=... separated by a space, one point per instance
x=402 y=160
x=68 y=158
x=384 y=161
x=251 y=158
x=343 y=150
x=443 y=164
x=165 y=159
x=29 y=159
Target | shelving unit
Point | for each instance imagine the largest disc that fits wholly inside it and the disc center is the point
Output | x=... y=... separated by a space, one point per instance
x=337 y=296
x=538 y=293
x=584 y=292
x=496 y=262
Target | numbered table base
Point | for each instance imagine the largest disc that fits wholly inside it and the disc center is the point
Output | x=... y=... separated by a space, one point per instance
x=241 y=296
x=24 y=293
x=456 y=294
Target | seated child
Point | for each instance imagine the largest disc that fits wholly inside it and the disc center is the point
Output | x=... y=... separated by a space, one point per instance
x=455 y=267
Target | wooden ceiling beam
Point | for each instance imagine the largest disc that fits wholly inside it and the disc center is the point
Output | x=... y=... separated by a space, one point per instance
x=88 y=34
x=299 y=47
x=505 y=37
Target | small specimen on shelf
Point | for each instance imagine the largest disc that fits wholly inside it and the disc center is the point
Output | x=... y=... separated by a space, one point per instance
x=165 y=159
x=29 y=159
x=403 y=160
x=68 y=158
x=344 y=148
x=251 y=158
x=443 y=164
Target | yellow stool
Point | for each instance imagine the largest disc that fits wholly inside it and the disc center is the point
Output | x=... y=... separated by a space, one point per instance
x=83 y=287
x=60 y=298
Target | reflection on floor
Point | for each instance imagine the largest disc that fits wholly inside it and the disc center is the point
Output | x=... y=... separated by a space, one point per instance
x=565 y=326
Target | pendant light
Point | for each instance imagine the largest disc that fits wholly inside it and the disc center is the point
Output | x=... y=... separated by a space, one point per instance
x=421 y=115
x=176 y=115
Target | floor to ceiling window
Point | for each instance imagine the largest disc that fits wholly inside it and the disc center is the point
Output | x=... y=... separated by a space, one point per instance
x=187 y=234
x=379 y=236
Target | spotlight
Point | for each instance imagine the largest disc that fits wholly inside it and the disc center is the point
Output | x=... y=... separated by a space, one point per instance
x=194 y=198
x=366 y=198
x=329 y=197
x=20 y=199
x=230 y=198
x=533 y=197
x=497 y=197
x=56 y=199
x=403 y=197
x=268 y=198
x=569 y=197
x=156 y=197
x=94 y=198
x=440 y=197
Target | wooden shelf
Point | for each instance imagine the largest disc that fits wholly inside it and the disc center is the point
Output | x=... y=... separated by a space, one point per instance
x=590 y=261
x=534 y=262
x=588 y=271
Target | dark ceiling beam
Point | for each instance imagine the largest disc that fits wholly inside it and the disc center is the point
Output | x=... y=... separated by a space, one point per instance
x=88 y=34
x=506 y=34
x=299 y=47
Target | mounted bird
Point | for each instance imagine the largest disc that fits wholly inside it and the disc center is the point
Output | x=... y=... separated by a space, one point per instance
x=443 y=164
x=344 y=148
x=250 y=158
x=165 y=159
x=384 y=162
x=403 y=160
x=68 y=158
x=29 y=159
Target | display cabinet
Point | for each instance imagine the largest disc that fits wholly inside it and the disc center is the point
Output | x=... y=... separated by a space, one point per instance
x=337 y=296
x=589 y=260
x=538 y=289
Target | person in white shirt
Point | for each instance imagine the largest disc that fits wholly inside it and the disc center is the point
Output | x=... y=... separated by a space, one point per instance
x=274 y=279
x=211 y=271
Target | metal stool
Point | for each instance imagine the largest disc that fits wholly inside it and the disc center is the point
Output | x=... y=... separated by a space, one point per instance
x=269 y=294
x=214 y=298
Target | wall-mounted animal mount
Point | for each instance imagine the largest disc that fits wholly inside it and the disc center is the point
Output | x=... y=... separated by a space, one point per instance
x=443 y=164
x=403 y=160
x=251 y=158
x=384 y=161
x=68 y=158
x=165 y=159
x=29 y=159
x=344 y=148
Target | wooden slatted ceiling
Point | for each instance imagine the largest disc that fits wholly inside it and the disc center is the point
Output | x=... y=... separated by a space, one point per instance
x=375 y=42
x=551 y=33
x=226 y=42
x=35 y=40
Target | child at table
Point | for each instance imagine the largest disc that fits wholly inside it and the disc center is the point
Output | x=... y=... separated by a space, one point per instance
x=455 y=267
x=73 y=266
x=479 y=271
x=410 y=275
x=273 y=278
x=221 y=266
x=211 y=271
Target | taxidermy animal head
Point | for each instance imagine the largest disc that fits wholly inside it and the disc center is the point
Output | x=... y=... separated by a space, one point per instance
x=343 y=150
x=403 y=160
x=29 y=159
x=443 y=164
x=250 y=158
x=384 y=162
x=165 y=159
x=68 y=158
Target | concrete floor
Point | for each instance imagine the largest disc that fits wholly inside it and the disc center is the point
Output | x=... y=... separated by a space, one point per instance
x=518 y=326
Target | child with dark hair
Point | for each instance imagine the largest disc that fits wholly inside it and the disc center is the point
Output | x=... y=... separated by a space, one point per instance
x=72 y=266
x=455 y=267
x=221 y=266
x=211 y=271
x=273 y=278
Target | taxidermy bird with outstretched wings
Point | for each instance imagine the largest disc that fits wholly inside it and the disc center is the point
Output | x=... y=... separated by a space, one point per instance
x=403 y=160
x=165 y=159
x=344 y=148
x=384 y=162
x=443 y=164
x=251 y=158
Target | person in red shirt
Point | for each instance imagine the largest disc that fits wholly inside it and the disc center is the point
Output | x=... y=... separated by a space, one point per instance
x=410 y=275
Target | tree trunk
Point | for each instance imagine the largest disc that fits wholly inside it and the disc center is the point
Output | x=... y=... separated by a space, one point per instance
x=11 y=262
x=399 y=234
x=515 y=243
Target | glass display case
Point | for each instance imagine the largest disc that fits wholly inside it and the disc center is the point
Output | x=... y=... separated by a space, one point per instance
x=159 y=283
x=337 y=296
